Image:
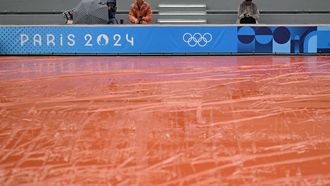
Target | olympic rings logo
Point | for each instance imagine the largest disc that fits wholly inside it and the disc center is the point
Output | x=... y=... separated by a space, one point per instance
x=197 y=39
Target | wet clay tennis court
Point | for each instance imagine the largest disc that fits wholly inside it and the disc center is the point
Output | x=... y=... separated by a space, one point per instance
x=171 y=120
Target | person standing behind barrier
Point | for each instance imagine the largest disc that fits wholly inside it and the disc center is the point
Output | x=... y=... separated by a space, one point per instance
x=112 y=9
x=140 y=12
x=248 y=13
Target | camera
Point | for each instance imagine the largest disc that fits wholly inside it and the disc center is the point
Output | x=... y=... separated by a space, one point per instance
x=140 y=19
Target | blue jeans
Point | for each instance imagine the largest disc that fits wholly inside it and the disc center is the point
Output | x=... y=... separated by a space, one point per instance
x=113 y=21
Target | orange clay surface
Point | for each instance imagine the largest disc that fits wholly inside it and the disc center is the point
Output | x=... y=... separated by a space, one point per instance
x=194 y=120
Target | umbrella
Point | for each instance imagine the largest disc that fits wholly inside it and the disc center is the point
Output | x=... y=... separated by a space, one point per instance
x=91 y=12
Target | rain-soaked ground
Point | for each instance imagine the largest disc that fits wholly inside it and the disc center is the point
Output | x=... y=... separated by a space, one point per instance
x=194 y=120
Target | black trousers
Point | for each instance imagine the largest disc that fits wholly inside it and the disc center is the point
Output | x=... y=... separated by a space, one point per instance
x=248 y=20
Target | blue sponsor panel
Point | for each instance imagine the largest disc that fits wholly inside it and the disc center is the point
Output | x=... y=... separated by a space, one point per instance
x=323 y=39
x=152 y=39
x=117 y=39
x=277 y=39
x=68 y=40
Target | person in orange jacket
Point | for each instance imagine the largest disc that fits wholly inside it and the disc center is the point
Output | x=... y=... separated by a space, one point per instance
x=140 y=12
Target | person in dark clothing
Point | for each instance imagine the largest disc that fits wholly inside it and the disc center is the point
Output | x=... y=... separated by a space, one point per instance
x=112 y=9
x=248 y=13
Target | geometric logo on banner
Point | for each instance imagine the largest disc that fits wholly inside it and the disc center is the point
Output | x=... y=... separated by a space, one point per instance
x=276 y=39
x=303 y=39
x=281 y=43
x=264 y=35
x=310 y=43
x=201 y=39
x=246 y=38
x=323 y=39
x=246 y=35
x=264 y=40
x=281 y=35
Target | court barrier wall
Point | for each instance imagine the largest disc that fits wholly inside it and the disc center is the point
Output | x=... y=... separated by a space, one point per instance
x=160 y=39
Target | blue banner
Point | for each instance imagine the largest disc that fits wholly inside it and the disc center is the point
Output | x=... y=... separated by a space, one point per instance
x=136 y=39
x=323 y=39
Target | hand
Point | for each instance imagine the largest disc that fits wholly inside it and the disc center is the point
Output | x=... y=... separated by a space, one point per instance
x=137 y=21
x=69 y=22
x=140 y=20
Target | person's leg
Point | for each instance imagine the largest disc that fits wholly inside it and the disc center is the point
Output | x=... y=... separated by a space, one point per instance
x=112 y=21
x=252 y=20
x=248 y=20
x=244 y=20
